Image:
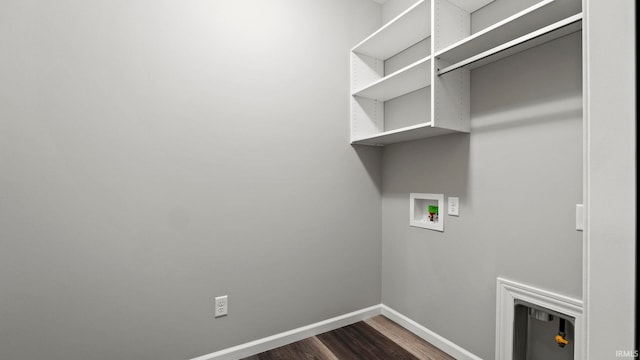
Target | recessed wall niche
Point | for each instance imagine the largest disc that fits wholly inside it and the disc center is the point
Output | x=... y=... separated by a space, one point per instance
x=425 y=211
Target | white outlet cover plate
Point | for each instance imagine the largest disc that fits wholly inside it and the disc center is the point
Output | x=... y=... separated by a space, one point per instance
x=453 y=207
x=221 y=306
x=580 y=217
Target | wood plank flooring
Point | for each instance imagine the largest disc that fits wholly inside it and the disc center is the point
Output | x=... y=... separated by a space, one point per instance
x=377 y=338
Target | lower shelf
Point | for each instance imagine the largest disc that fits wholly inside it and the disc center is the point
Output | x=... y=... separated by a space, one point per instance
x=408 y=133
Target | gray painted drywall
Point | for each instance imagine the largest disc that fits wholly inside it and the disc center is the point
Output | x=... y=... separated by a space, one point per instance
x=518 y=175
x=611 y=179
x=155 y=154
x=393 y=8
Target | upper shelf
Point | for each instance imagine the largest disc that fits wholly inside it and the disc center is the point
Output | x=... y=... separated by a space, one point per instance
x=541 y=36
x=403 y=81
x=406 y=29
x=528 y=21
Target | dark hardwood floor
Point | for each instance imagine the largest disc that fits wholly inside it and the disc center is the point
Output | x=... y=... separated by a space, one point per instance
x=377 y=338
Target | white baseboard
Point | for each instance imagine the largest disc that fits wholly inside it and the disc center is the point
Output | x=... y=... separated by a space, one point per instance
x=438 y=341
x=288 y=337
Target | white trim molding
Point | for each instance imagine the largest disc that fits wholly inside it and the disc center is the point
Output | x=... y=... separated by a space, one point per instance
x=288 y=337
x=436 y=340
x=508 y=291
x=291 y=336
x=609 y=182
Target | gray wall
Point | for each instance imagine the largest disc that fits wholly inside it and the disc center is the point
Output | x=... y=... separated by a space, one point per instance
x=155 y=154
x=518 y=175
x=393 y=8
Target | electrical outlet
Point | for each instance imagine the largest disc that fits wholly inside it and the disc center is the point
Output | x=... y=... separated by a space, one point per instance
x=221 y=305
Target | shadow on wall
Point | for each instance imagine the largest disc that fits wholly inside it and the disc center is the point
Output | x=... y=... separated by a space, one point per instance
x=560 y=109
x=505 y=97
x=434 y=165
x=372 y=161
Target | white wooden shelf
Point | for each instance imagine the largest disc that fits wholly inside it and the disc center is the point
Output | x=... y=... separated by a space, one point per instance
x=528 y=21
x=408 y=133
x=413 y=77
x=406 y=29
x=470 y=5
x=446 y=71
x=551 y=32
